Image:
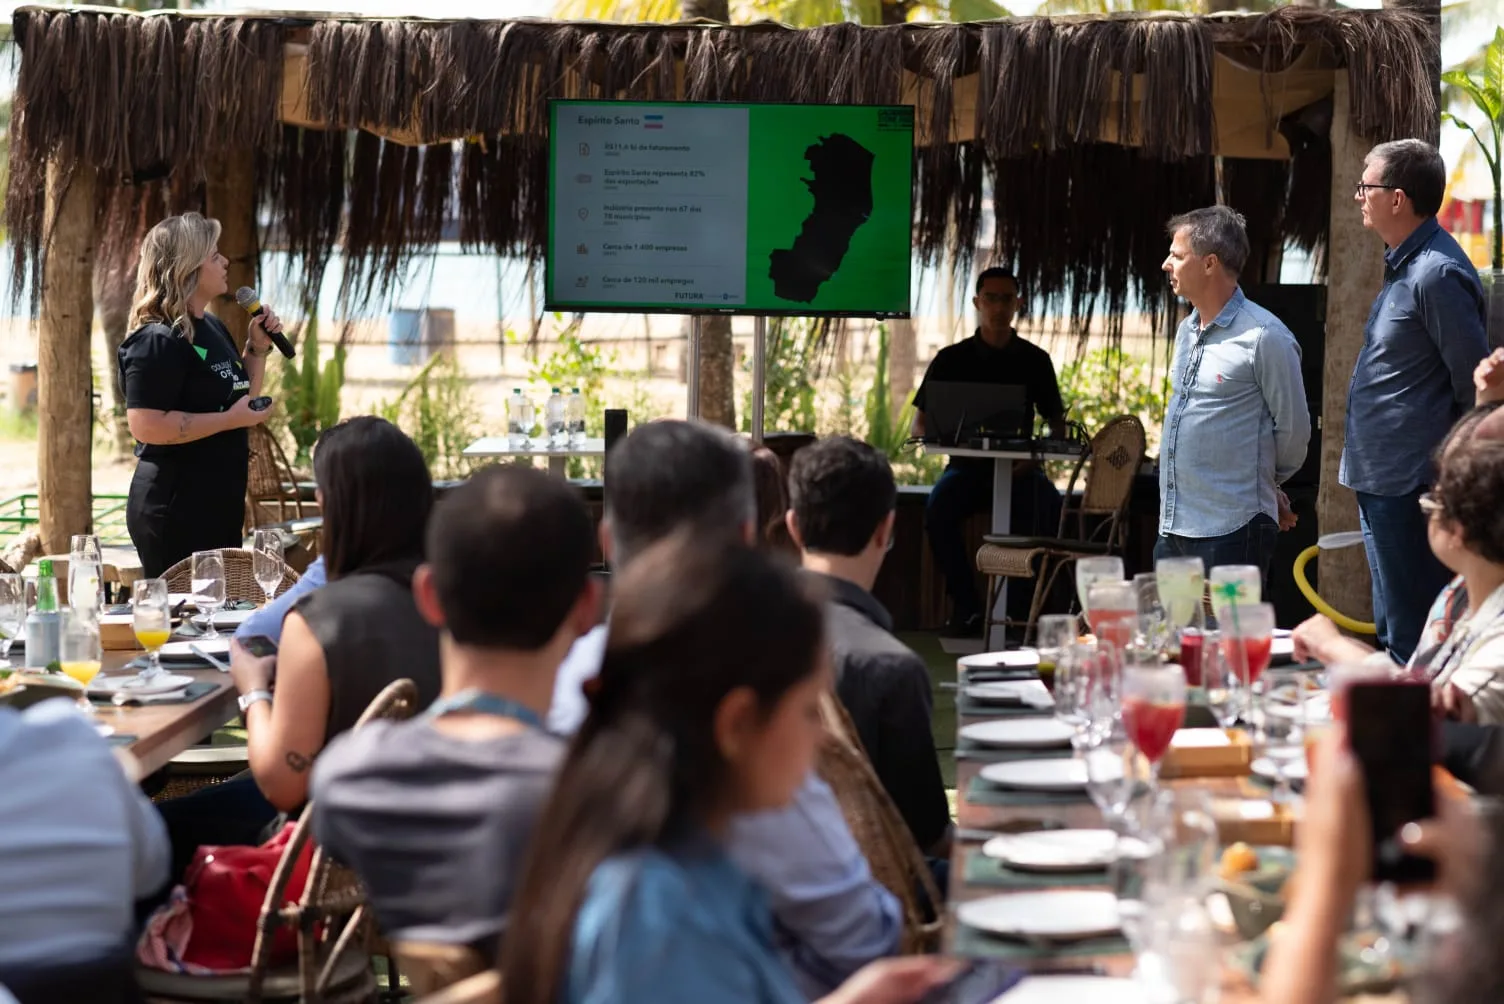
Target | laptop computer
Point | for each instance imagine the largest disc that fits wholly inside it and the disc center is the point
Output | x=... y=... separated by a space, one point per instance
x=957 y=412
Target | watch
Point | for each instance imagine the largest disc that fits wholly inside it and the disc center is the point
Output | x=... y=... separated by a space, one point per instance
x=246 y=700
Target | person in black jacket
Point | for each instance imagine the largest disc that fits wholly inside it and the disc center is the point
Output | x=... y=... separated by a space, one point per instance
x=187 y=397
x=842 y=498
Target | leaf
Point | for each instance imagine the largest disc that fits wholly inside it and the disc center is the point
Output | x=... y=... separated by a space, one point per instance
x=976 y=10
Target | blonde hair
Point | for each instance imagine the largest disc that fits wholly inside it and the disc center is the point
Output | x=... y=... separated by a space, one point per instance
x=171 y=254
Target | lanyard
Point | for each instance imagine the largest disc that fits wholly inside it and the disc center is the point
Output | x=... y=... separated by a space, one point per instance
x=1460 y=642
x=486 y=704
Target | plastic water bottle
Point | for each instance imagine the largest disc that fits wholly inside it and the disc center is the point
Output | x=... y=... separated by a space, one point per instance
x=576 y=417
x=553 y=421
x=519 y=420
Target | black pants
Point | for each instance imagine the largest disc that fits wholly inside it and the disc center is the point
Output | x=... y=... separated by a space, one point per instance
x=175 y=509
x=109 y=979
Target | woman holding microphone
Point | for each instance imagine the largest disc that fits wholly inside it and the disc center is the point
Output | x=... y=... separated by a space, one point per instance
x=187 y=397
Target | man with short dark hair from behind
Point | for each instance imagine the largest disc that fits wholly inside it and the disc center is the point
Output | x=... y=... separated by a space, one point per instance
x=842 y=502
x=436 y=813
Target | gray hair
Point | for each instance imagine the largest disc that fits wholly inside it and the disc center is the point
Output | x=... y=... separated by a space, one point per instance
x=1414 y=167
x=1215 y=230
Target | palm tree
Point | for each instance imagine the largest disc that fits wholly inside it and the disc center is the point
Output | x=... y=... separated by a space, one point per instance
x=1484 y=88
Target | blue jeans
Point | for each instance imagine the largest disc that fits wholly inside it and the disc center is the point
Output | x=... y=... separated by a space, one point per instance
x=963 y=491
x=1250 y=544
x=1406 y=576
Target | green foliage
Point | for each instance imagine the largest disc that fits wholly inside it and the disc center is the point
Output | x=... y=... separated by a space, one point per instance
x=438 y=410
x=309 y=392
x=911 y=466
x=1107 y=382
x=1483 y=85
x=576 y=363
x=789 y=389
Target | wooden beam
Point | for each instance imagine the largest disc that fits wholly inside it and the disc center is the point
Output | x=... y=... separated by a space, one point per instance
x=1355 y=272
x=64 y=371
x=230 y=198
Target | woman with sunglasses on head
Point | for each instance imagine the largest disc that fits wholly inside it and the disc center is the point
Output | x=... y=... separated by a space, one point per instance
x=700 y=714
x=188 y=391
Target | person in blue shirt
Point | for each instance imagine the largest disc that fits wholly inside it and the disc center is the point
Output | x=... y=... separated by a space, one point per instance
x=1425 y=336
x=700 y=714
x=1237 y=424
x=267 y=621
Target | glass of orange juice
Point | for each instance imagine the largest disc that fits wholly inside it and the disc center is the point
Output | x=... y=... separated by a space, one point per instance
x=81 y=654
x=152 y=621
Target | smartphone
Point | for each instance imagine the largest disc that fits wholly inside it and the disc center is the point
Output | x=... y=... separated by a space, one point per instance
x=981 y=982
x=258 y=645
x=1389 y=730
x=260 y=403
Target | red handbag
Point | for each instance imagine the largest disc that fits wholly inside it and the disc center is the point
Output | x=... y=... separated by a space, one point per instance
x=226 y=888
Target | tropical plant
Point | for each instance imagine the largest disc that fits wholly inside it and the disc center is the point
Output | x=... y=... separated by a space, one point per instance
x=1483 y=86
x=578 y=365
x=437 y=410
x=1107 y=382
x=310 y=392
x=788 y=384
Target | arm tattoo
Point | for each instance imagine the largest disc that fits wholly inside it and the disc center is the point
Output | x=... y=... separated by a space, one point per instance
x=298 y=762
x=183 y=425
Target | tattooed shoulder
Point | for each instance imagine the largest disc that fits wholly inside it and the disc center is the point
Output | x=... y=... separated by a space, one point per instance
x=298 y=762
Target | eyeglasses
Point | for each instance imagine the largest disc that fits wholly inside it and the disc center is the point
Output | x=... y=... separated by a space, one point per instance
x=1430 y=504
x=998 y=297
x=1362 y=187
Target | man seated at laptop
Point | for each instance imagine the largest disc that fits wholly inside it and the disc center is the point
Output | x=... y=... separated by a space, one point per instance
x=994 y=354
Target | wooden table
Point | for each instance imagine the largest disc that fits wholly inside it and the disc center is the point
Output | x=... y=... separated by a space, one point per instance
x=162 y=731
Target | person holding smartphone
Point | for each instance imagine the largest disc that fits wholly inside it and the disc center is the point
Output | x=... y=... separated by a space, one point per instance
x=188 y=393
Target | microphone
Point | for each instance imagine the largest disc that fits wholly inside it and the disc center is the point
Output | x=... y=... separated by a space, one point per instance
x=251 y=302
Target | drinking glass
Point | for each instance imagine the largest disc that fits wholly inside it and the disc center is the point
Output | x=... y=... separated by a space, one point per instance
x=1096 y=671
x=1153 y=708
x=1055 y=632
x=1089 y=570
x=1181 y=582
x=266 y=561
x=209 y=586
x=1226 y=696
x=12 y=611
x=1112 y=611
x=84 y=545
x=1150 y=620
x=1234 y=584
x=1280 y=735
x=1248 y=638
x=1109 y=777
x=80 y=653
x=152 y=620
x=1136 y=882
x=84 y=577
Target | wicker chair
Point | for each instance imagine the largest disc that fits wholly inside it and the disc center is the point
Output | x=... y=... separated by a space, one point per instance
x=880 y=831
x=331 y=920
x=240 y=579
x=271 y=494
x=1100 y=527
x=484 y=988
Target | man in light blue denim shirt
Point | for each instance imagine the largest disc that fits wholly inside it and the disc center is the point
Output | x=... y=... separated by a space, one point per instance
x=1413 y=380
x=1237 y=425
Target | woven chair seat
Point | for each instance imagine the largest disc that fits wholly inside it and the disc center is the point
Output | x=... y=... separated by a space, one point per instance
x=1014 y=562
x=240 y=578
x=1061 y=545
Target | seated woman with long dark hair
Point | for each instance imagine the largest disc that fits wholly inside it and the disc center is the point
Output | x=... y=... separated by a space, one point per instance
x=700 y=713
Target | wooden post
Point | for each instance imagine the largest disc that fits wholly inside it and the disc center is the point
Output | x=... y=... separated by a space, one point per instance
x=64 y=370
x=1355 y=272
x=230 y=198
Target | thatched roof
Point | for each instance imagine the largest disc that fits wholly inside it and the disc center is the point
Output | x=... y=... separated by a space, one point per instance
x=408 y=123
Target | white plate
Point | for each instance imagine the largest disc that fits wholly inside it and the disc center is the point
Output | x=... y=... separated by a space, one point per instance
x=1264 y=768
x=1059 y=915
x=1031 y=692
x=133 y=684
x=1038 y=775
x=105 y=731
x=1280 y=633
x=1020 y=733
x=1053 y=850
x=1282 y=648
x=183 y=650
x=1318 y=708
x=187 y=599
x=1055 y=989
x=1017 y=658
x=225 y=619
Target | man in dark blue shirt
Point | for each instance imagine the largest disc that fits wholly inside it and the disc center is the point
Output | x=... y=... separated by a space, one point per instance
x=1413 y=380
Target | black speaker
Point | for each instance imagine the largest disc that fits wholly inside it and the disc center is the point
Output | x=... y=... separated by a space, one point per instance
x=616 y=426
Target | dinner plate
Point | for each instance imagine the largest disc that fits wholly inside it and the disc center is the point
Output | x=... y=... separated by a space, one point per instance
x=1053 y=850
x=187 y=600
x=230 y=619
x=1057 y=915
x=182 y=651
x=1264 y=768
x=1016 y=658
x=1038 y=775
x=1031 y=692
x=133 y=684
x=1020 y=733
x=1055 y=989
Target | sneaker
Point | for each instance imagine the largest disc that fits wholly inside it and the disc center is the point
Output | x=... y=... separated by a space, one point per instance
x=963 y=627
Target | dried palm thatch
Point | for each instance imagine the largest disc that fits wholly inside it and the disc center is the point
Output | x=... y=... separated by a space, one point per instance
x=145 y=99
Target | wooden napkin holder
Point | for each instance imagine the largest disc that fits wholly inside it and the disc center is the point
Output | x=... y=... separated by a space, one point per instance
x=1255 y=821
x=1189 y=760
x=117 y=633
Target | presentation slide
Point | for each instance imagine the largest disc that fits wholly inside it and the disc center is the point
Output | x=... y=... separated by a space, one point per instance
x=738 y=208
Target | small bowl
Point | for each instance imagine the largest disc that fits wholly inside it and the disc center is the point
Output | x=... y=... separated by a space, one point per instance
x=1255 y=897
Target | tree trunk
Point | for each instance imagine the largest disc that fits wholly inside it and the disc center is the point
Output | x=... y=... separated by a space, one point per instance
x=230 y=198
x=114 y=284
x=717 y=354
x=64 y=385
x=1355 y=272
x=903 y=357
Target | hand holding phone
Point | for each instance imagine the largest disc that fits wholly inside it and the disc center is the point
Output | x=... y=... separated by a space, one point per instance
x=258 y=645
x=1389 y=731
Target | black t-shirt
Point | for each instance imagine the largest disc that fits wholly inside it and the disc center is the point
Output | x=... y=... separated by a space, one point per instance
x=164 y=371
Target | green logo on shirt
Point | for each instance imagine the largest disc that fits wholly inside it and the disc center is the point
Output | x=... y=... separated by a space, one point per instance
x=203 y=353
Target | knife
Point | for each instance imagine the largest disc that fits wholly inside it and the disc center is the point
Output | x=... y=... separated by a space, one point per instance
x=208 y=658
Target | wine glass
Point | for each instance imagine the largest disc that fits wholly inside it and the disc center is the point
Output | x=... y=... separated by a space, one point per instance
x=1248 y=639
x=1055 y=632
x=209 y=586
x=1153 y=709
x=1225 y=694
x=80 y=654
x=266 y=561
x=1234 y=584
x=1151 y=621
x=152 y=621
x=12 y=611
x=1109 y=781
x=1089 y=570
x=1112 y=611
x=1281 y=727
x=1181 y=581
